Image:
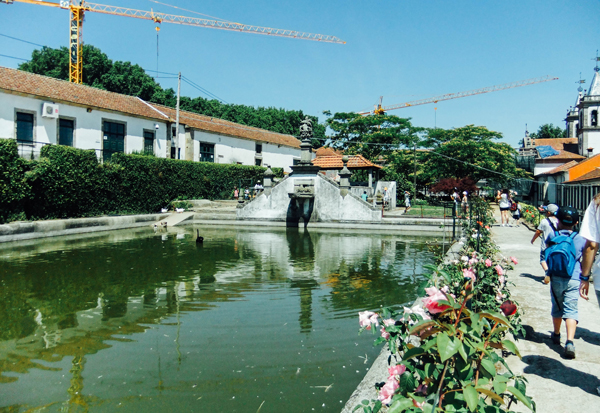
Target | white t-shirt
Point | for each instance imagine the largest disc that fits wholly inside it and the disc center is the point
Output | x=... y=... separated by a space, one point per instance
x=547 y=229
x=503 y=203
x=589 y=230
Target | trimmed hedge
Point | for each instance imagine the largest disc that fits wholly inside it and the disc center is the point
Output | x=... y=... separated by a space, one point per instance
x=67 y=183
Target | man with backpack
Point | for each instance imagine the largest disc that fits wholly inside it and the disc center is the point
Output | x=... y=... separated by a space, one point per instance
x=563 y=254
x=546 y=228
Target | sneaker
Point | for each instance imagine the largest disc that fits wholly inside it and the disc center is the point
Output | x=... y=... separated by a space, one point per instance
x=570 y=350
x=555 y=338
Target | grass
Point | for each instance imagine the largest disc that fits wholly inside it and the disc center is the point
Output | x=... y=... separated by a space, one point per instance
x=427 y=211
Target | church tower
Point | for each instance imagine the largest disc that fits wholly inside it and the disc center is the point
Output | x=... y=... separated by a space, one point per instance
x=588 y=127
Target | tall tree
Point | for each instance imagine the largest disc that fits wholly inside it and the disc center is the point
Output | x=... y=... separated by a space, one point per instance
x=371 y=136
x=549 y=131
x=470 y=151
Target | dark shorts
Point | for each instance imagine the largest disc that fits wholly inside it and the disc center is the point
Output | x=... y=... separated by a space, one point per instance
x=505 y=209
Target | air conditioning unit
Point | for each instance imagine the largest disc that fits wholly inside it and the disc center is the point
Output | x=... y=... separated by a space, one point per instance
x=49 y=110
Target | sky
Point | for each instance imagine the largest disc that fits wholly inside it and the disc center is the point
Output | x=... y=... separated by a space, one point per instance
x=403 y=50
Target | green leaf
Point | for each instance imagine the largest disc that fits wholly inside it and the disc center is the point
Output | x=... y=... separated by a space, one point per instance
x=499 y=387
x=400 y=405
x=413 y=352
x=462 y=352
x=490 y=394
x=497 y=317
x=520 y=396
x=471 y=397
x=407 y=383
x=422 y=326
x=512 y=347
x=489 y=367
x=447 y=347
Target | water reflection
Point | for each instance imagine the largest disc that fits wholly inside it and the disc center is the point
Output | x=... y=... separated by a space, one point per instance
x=69 y=302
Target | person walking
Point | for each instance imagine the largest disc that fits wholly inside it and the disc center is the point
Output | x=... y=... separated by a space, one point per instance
x=504 y=204
x=464 y=204
x=516 y=212
x=546 y=228
x=563 y=254
x=590 y=230
x=406 y=201
x=236 y=193
x=364 y=196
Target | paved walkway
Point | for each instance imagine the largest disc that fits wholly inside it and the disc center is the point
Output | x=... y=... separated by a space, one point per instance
x=556 y=384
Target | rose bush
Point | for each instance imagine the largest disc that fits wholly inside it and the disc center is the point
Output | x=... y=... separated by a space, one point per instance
x=447 y=348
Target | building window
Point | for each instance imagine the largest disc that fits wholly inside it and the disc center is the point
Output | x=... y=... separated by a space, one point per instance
x=114 y=139
x=207 y=152
x=258 y=162
x=594 y=118
x=25 y=127
x=65 y=132
x=149 y=142
x=258 y=148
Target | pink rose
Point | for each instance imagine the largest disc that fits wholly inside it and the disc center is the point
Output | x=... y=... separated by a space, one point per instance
x=431 y=302
x=473 y=261
x=389 y=322
x=384 y=333
x=388 y=390
x=499 y=269
x=501 y=279
x=514 y=260
x=474 y=254
x=488 y=263
x=416 y=309
x=508 y=308
x=396 y=370
x=366 y=318
x=467 y=273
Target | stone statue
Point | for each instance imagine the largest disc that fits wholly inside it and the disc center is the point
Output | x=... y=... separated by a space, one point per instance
x=306 y=129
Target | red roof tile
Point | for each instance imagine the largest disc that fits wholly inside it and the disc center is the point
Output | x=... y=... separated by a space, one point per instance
x=335 y=162
x=566 y=155
x=61 y=91
x=561 y=168
x=327 y=151
x=557 y=143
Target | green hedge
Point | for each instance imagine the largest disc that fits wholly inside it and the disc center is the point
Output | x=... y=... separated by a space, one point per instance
x=67 y=182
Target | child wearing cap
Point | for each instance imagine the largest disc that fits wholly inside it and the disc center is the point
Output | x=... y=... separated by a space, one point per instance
x=547 y=227
x=564 y=289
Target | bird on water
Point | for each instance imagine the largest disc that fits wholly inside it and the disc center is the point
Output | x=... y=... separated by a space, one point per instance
x=199 y=239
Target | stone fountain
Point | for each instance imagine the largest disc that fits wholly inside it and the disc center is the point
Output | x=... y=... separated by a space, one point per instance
x=308 y=195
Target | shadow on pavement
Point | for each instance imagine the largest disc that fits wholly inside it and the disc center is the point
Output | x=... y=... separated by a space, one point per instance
x=541 y=338
x=555 y=370
x=587 y=335
x=539 y=278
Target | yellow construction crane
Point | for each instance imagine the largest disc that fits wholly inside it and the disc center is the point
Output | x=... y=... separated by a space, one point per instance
x=78 y=8
x=380 y=110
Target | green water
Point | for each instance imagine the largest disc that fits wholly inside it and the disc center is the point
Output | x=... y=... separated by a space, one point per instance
x=152 y=322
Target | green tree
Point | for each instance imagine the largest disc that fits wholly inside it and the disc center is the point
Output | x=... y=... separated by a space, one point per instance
x=470 y=151
x=370 y=136
x=549 y=131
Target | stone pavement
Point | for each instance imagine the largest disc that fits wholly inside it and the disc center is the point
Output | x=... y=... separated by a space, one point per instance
x=557 y=385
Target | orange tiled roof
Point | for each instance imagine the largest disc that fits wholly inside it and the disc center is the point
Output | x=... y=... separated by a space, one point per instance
x=225 y=127
x=327 y=151
x=595 y=174
x=335 y=162
x=561 y=168
x=55 y=90
x=558 y=143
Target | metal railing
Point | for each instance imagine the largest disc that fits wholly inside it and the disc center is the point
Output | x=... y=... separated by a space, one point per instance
x=32 y=149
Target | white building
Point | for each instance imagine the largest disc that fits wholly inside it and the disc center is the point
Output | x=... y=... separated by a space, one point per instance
x=38 y=110
x=582 y=121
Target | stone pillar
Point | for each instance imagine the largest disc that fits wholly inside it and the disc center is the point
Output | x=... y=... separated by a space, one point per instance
x=268 y=180
x=345 y=175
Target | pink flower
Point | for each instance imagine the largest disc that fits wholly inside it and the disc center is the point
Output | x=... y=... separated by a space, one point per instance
x=366 y=318
x=464 y=258
x=473 y=261
x=499 y=269
x=508 y=308
x=474 y=254
x=514 y=260
x=388 y=390
x=488 y=263
x=396 y=370
x=501 y=279
x=431 y=302
x=384 y=333
x=467 y=273
x=389 y=322
x=416 y=309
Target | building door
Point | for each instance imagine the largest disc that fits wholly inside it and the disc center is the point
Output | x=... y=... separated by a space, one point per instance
x=114 y=139
x=149 y=142
x=65 y=132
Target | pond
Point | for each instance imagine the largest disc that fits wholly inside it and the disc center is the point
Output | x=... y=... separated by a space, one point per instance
x=248 y=321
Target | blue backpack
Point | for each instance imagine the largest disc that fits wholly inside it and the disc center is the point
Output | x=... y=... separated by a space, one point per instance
x=561 y=255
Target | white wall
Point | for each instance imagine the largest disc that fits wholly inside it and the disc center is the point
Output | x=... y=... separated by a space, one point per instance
x=88 y=125
x=541 y=168
x=231 y=150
